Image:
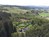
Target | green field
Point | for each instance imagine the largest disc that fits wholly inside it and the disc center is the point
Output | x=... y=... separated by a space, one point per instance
x=44 y=14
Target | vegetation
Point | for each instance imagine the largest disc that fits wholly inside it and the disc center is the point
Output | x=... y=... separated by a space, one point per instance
x=44 y=14
x=17 y=22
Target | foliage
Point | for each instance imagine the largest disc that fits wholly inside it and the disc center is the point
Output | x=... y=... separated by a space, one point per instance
x=40 y=28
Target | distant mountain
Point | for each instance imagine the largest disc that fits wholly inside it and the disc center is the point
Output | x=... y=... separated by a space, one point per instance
x=26 y=7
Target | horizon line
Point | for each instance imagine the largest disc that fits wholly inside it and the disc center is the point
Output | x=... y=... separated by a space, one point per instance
x=25 y=5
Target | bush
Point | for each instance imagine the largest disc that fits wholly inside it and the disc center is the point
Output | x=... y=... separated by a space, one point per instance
x=18 y=34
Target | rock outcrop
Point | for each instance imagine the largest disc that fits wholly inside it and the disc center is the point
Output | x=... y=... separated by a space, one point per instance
x=6 y=26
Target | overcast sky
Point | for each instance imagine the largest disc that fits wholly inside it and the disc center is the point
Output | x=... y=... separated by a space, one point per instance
x=25 y=2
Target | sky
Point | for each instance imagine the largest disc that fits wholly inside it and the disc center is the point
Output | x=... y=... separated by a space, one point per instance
x=25 y=2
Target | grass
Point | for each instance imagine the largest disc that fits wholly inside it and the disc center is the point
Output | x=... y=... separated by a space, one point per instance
x=44 y=14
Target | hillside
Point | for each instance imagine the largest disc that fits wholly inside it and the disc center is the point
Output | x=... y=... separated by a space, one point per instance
x=24 y=21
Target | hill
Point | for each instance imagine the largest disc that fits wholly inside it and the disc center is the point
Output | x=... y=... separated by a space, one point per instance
x=26 y=7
